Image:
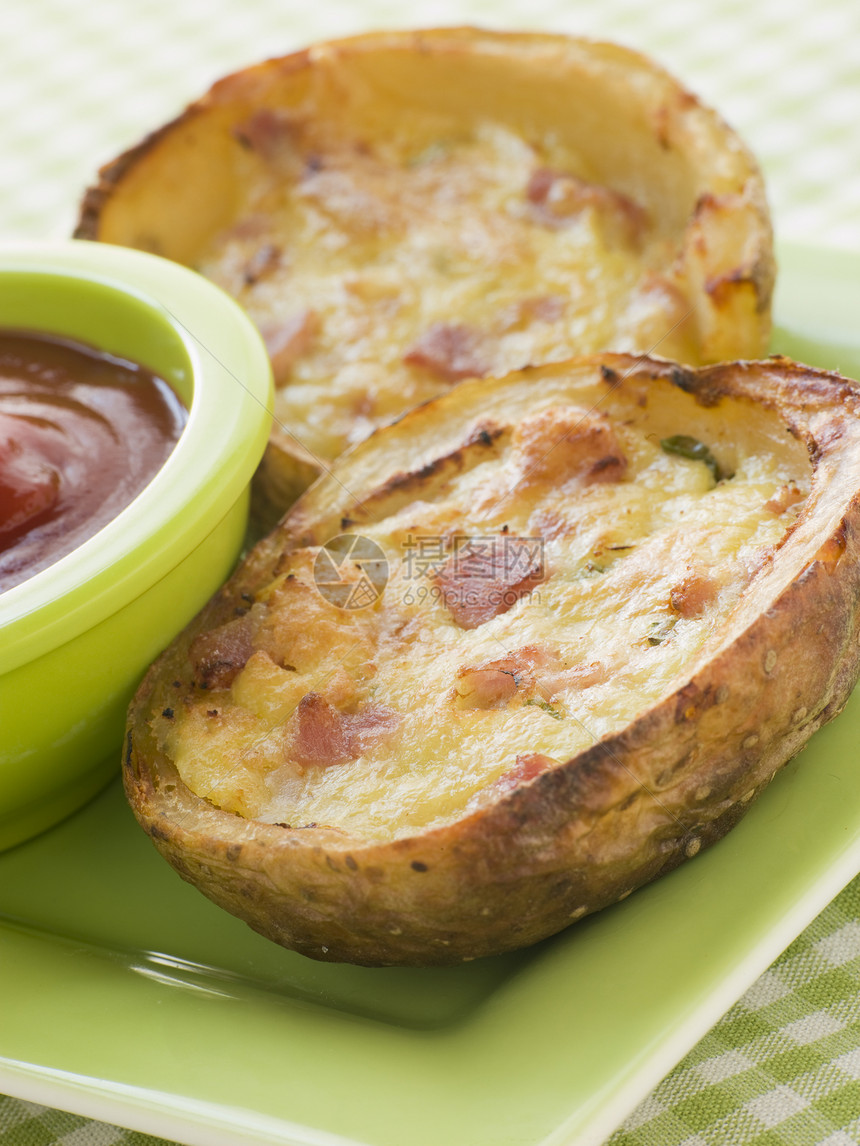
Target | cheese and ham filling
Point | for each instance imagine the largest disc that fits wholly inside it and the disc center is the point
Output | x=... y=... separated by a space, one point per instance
x=541 y=592
x=382 y=271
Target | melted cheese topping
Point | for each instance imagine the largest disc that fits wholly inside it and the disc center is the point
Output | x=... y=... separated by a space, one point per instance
x=496 y=250
x=611 y=577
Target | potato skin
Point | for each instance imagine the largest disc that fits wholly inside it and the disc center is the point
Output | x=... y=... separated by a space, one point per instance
x=677 y=155
x=588 y=832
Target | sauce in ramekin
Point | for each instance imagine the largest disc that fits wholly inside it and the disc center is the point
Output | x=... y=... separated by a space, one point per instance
x=81 y=434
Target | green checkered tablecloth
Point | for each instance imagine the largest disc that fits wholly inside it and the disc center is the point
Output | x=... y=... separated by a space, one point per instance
x=78 y=82
x=782 y=1068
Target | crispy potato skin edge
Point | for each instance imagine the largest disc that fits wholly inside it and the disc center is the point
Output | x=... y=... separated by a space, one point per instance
x=576 y=838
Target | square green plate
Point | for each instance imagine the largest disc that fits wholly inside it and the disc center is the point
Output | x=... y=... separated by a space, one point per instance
x=126 y=996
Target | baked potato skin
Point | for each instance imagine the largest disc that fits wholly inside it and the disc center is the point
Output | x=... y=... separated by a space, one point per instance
x=587 y=832
x=694 y=176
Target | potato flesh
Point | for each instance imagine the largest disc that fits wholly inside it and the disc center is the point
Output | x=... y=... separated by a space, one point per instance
x=622 y=616
x=433 y=224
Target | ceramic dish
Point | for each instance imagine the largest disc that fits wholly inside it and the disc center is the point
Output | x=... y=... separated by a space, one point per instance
x=128 y=997
x=76 y=637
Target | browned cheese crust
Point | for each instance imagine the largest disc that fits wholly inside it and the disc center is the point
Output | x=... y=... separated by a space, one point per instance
x=401 y=210
x=559 y=837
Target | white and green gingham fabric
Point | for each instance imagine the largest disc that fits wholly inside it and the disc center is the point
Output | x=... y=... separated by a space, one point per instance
x=79 y=82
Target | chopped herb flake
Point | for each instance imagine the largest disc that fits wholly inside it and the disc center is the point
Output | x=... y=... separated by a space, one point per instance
x=553 y=712
x=659 y=631
x=692 y=448
x=432 y=152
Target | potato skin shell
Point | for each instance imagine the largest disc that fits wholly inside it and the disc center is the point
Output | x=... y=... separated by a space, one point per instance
x=588 y=832
x=697 y=172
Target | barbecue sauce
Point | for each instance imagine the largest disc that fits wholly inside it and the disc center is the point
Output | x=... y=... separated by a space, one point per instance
x=81 y=434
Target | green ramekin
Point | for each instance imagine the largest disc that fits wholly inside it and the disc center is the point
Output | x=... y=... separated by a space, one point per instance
x=76 y=638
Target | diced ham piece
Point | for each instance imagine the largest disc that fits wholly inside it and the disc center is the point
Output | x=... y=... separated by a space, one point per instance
x=528 y=765
x=558 y=197
x=220 y=654
x=487 y=575
x=691 y=596
x=532 y=671
x=493 y=683
x=537 y=308
x=451 y=351
x=321 y=735
x=288 y=341
x=486 y=686
x=785 y=496
x=546 y=673
x=559 y=444
x=266 y=132
x=541 y=674
x=544 y=308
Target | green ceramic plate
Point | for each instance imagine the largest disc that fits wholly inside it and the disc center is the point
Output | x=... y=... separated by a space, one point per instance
x=127 y=996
